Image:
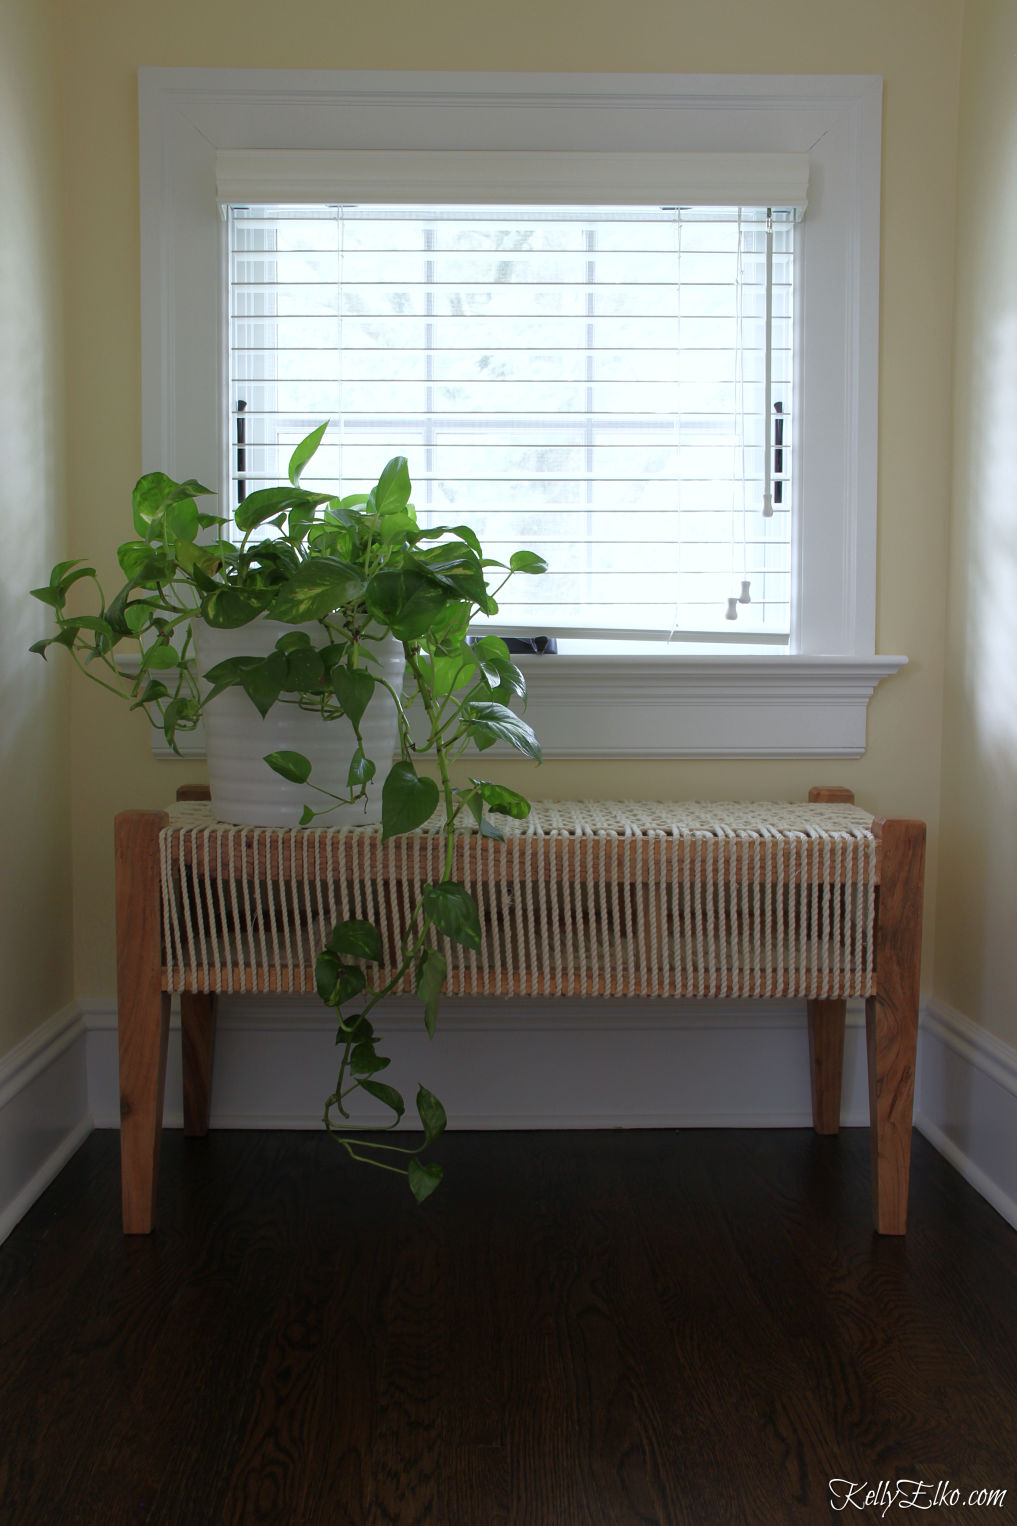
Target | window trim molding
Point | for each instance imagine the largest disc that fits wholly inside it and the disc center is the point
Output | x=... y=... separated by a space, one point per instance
x=701 y=707
x=796 y=704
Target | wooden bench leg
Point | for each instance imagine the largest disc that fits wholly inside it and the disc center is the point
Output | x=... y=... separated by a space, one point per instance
x=197 y=1034
x=831 y=794
x=891 y=1018
x=826 y=1062
x=142 y=1013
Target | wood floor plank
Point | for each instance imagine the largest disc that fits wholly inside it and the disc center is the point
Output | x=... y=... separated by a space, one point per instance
x=581 y=1329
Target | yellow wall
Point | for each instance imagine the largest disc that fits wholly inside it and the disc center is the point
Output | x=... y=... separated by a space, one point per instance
x=976 y=964
x=35 y=907
x=914 y=44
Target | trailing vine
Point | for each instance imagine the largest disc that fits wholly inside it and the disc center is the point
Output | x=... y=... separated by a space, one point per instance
x=357 y=569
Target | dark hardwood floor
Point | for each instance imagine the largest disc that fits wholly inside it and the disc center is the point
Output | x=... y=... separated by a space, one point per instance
x=579 y=1329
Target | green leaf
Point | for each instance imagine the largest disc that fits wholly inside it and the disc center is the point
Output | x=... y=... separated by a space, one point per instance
x=94 y=623
x=462 y=531
x=268 y=563
x=65 y=637
x=228 y=608
x=161 y=656
x=304 y=451
x=397 y=527
x=509 y=679
x=293 y=641
x=227 y=674
x=300 y=521
x=491 y=648
x=55 y=597
x=447 y=674
x=423 y=1177
x=406 y=600
x=353 y=689
x=70 y=578
x=326 y=973
x=290 y=765
x=201 y=579
x=269 y=501
x=431 y=971
x=432 y=1114
x=263 y=681
x=156 y=492
x=138 y=615
x=406 y=800
x=356 y=1027
x=453 y=911
x=350 y=983
x=181 y=712
x=361 y=771
x=501 y=799
x=305 y=671
x=316 y=590
x=151 y=494
x=447 y=635
x=527 y=561
x=393 y=491
x=457 y=567
x=307 y=815
x=62 y=568
x=181 y=520
x=335 y=981
x=365 y=1062
x=154 y=689
x=386 y=1094
x=142 y=563
x=489 y=720
x=359 y=939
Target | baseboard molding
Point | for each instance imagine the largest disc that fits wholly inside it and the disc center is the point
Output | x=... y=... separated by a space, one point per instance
x=518 y=1065
x=966 y=1103
x=44 y=1112
x=553 y=1064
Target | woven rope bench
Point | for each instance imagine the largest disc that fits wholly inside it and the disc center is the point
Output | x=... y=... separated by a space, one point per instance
x=820 y=901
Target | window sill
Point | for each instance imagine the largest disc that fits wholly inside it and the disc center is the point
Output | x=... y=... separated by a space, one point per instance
x=703 y=707
x=687 y=707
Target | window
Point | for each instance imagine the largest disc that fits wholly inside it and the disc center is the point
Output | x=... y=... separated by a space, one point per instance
x=802 y=686
x=611 y=387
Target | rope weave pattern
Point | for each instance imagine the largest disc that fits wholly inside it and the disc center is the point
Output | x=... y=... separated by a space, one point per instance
x=609 y=898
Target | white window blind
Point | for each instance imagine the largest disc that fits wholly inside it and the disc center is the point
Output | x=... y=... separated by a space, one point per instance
x=611 y=386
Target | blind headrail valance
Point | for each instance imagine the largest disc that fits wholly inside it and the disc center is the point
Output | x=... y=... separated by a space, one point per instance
x=307 y=176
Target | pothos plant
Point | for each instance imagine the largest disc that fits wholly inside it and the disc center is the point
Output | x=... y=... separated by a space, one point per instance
x=359 y=568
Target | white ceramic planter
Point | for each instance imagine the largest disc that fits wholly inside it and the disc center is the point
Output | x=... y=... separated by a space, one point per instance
x=245 y=790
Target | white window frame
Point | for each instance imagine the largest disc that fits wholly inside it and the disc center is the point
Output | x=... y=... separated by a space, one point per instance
x=808 y=702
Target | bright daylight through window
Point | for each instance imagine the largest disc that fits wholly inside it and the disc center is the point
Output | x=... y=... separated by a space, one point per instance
x=562 y=298
x=610 y=386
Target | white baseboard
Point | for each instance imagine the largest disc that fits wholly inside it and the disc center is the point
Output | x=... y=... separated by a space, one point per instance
x=552 y=1064
x=966 y=1103
x=497 y=1065
x=44 y=1113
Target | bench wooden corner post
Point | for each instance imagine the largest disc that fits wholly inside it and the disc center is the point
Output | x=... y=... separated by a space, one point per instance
x=142 y=1011
x=827 y=1017
x=891 y=1017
